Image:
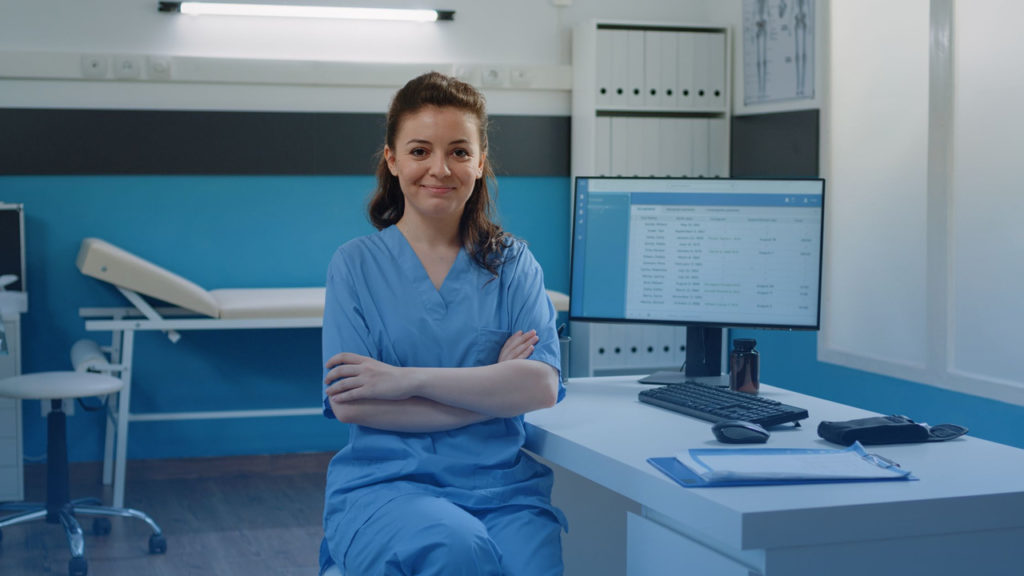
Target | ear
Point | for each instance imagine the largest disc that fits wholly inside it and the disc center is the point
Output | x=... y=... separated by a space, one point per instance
x=389 y=157
x=480 y=166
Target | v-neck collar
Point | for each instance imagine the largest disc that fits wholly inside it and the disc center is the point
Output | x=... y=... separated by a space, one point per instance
x=434 y=300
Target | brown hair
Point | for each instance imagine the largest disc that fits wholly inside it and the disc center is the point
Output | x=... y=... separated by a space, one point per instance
x=481 y=235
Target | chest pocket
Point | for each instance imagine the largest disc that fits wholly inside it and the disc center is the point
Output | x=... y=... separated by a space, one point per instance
x=488 y=345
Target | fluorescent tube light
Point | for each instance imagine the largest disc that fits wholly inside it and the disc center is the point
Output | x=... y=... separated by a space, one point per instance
x=293 y=11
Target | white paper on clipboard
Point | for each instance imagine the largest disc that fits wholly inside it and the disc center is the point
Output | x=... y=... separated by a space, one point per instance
x=782 y=464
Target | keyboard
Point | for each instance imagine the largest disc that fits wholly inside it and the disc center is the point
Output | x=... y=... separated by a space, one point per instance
x=715 y=404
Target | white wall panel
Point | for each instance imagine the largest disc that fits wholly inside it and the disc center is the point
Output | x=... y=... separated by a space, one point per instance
x=987 y=239
x=877 y=194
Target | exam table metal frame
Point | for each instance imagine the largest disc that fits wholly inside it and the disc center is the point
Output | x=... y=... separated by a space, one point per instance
x=123 y=323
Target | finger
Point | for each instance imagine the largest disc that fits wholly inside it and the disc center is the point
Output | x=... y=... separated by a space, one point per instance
x=525 y=353
x=347 y=396
x=344 y=358
x=519 y=352
x=342 y=387
x=529 y=343
x=521 y=340
x=514 y=350
x=342 y=372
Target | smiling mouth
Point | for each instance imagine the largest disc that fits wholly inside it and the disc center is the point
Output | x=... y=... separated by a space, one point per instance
x=437 y=189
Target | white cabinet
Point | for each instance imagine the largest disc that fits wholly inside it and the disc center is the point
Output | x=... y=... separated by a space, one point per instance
x=13 y=303
x=649 y=99
x=11 y=475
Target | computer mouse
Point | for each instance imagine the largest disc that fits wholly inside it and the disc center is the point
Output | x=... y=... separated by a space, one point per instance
x=739 y=432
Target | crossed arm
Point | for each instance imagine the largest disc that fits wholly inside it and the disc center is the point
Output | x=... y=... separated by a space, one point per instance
x=368 y=392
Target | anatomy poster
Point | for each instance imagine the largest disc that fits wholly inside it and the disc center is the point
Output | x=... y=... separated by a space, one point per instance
x=778 y=50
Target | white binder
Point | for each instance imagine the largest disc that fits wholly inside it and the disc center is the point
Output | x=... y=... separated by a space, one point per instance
x=702 y=43
x=718 y=147
x=715 y=58
x=619 y=67
x=653 y=88
x=635 y=70
x=603 y=146
x=636 y=148
x=701 y=161
x=666 y=146
x=682 y=162
x=650 y=158
x=620 y=146
x=605 y=62
x=669 y=82
x=684 y=71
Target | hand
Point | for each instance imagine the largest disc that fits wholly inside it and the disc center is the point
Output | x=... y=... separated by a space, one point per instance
x=354 y=377
x=518 y=346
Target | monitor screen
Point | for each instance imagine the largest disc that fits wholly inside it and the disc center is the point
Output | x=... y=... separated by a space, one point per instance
x=716 y=252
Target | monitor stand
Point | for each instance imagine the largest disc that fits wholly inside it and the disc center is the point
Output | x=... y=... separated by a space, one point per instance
x=703 y=361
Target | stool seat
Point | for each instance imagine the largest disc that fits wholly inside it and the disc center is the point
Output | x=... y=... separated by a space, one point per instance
x=58 y=385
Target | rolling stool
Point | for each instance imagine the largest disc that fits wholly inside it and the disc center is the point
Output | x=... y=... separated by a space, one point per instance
x=54 y=386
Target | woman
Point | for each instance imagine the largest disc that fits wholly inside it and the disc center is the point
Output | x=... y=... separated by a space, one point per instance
x=438 y=336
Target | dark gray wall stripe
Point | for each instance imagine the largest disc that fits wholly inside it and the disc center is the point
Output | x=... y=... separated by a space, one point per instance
x=530 y=145
x=777 y=145
x=69 y=141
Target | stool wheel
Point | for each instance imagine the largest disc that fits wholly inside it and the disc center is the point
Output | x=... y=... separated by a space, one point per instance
x=157 y=544
x=101 y=526
x=77 y=567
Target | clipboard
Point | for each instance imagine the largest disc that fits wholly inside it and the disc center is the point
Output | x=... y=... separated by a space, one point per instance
x=775 y=466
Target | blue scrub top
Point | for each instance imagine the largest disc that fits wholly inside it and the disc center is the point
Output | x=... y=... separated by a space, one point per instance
x=381 y=303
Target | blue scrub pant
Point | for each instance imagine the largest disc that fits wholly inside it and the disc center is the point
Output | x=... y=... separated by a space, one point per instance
x=426 y=535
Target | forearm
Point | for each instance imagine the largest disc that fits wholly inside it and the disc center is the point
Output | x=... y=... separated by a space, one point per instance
x=502 y=390
x=409 y=415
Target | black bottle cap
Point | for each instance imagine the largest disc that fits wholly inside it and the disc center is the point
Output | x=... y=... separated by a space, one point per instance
x=744 y=344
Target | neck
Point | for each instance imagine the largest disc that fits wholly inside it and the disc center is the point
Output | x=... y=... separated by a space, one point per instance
x=433 y=236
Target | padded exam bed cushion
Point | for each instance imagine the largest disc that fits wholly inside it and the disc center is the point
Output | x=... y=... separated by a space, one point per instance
x=107 y=262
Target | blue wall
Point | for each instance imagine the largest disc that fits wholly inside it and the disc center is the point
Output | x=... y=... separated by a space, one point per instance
x=220 y=232
x=788 y=360
x=271 y=231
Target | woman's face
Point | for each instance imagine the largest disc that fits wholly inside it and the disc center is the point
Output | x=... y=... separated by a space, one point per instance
x=437 y=160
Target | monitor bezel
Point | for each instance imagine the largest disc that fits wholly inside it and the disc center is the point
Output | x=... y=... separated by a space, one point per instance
x=689 y=323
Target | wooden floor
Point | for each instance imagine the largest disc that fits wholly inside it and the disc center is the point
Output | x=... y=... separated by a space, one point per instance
x=250 y=515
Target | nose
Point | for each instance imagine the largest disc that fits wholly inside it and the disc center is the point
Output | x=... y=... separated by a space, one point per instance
x=439 y=166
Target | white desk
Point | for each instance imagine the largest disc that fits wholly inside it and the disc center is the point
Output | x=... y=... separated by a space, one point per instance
x=964 y=516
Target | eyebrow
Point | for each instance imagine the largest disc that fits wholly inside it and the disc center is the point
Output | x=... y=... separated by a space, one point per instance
x=422 y=141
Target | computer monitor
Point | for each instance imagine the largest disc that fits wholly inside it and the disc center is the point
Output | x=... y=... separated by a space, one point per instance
x=707 y=253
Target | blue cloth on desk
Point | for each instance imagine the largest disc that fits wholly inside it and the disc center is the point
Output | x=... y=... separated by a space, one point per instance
x=381 y=303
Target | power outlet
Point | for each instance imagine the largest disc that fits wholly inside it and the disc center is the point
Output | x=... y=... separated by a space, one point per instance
x=158 y=68
x=520 y=77
x=127 y=67
x=494 y=76
x=95 y=66
x=468 y=74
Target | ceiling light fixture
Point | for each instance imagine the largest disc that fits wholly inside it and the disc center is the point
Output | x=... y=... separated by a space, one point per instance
x=293 y=11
